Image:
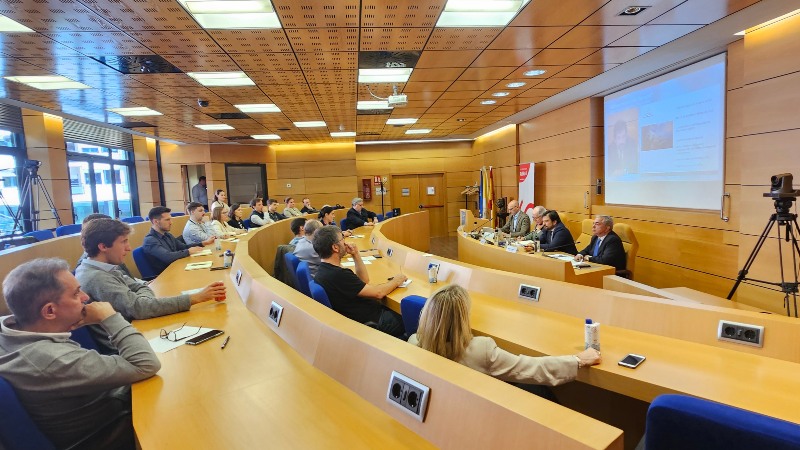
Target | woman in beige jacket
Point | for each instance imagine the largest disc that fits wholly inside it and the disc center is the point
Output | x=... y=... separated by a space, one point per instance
x=444 y=329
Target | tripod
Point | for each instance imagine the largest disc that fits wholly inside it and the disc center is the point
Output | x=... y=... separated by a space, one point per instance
x=33 y=181
x=787 y=220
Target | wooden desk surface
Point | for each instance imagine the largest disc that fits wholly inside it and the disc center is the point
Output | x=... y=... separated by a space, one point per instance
x=256 y=393
x=753 y=382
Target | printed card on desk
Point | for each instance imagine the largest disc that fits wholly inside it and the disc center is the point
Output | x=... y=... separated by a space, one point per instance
x=348 y=263
x=205 y=252
x=357 y=236
x=406 y=283
x=199 y=265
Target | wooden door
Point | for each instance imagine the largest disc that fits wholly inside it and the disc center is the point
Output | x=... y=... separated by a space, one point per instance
x=412 y=193
x=405 y=193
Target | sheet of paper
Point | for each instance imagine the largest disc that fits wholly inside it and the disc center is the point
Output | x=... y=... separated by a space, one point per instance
x=357 y=236
x=367 y=259
x=192 y=291
x=348 y=263
x=199 y=265
x=161 y=345
x=406 y=283
x=205 y=252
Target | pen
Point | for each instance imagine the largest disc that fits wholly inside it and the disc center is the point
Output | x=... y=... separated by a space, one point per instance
x=225 y=342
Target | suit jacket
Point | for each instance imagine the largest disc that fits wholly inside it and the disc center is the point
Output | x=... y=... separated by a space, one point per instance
x=558 y=240
x=522 y=228
x=611 y=251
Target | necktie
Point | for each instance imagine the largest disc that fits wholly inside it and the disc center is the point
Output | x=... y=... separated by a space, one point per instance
x=596 y=247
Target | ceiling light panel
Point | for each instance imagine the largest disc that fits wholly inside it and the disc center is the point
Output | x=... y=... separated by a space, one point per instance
x=48 y=82
x=394 y=75
x=215 y=126
x=479 y=13
x=406 y=121
x=419 y=131
x=343 y=134
x=367 y=105
x=135 y=111
x=266 y=137
x=11 y=26
x=258 y=108
x=310 y=124
x=232 y=14
x=221 y=78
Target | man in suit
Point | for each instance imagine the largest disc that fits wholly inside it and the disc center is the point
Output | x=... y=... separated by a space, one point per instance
x=605 y=246
x=556 y=237
x=518 y=222
x=538 y=228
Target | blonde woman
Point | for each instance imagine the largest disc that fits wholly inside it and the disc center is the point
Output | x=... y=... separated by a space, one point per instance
x=219 y=223
x=444 y=329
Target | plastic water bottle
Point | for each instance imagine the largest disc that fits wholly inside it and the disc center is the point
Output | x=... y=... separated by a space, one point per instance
x=227 y=259
x=218 y=243
x=591 y=335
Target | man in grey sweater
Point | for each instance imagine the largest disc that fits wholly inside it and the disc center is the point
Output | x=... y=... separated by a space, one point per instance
x=106 y=243
x=69 y=391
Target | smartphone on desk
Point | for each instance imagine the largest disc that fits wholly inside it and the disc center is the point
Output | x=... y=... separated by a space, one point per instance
x=632 y=361
x=204 y=337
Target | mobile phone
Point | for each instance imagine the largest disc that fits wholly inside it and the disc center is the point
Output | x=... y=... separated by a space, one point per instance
x=219 y=268
x=632 y=361
x=204 y=337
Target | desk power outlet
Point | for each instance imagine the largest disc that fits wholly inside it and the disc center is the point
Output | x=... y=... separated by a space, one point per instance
x=741 y=333
x=529 y=292
x=408 y=395
x=275 y=313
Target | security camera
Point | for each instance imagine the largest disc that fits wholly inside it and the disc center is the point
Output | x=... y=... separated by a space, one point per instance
x=202 y=103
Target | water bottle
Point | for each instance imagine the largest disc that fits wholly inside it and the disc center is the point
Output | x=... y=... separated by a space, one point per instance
x=591 y=335
x=218 y=243
x=228 y=259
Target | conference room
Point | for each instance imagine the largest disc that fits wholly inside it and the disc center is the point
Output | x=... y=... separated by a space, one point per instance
x=659 y=116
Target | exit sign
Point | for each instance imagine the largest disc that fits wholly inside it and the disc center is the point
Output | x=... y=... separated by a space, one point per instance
x=376 y=179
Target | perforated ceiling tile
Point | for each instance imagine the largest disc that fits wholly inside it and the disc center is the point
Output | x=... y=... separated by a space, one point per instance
x=265 y=79
x=317 y=13
x=55 y=16
x=323 y=39
x=332 y=77
x=251 y=41
x=392 y=39
x=461 y=38
x=266 y=61
x=100 y=43
x=144 y=15
x=555 y=13
x=18 y=67
x=328 y=61
x=33 y=45
x=400 y=13
x=177 y=42
x=205 y=62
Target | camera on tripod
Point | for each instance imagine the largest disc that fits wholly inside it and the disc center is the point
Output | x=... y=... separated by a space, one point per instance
x=784 y=194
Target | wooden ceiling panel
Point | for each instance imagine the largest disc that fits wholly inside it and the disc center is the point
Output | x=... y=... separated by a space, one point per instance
x=281 y=77
x=244 y=91
x=18 y=67
x=449 y=95
x=444 y=74
x=251 y=41
x=332 y=77
x=394 y=39
x=486 y=73
x=159 y=80
x=560 y=83
x=204 y=62
x=513 y=38
x=556 y=12
x=317 y=13
x=177 y=42
x=462 y=38
x=439 y=58
x=310 y=62
x=72 y=67
x=33 y=45
x=323 y=39
x=96 y=43
x=380 y=89
x=560 y=56
x=400 y=13
x=586 y=70
x=655 y=35
x=55 y=16
x=550 y=70
x=701 y=13
x=591 y=36
x=147 y=15
x=472 y=85
x=266 y=61
x=615 y=55
x=459 y=102
x=609 y=13
x=515 y=58
x=538 y=92
x=426 y=86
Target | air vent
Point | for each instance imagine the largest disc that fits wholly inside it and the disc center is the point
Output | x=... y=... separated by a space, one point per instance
x=369 y=133
x=132 y=64
x=632 y=10
x=284 y=129
x=239 y=138
x=230 y=115
x=384 y=60
x=135 y=125
x=373 y=112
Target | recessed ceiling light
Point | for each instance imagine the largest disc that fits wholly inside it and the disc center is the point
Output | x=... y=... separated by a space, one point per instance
x=365 y=105
x=392 y=75
x=48 y=82
x=461 y=120
x=488 y=102
x=535 y=72
x=479 y=13
x=258 y=108
x=310 y=124
x=222 y=78
x=135 y=111
x=215 y=126
x=419 y=131
x=632 y=10
x=516 y=84
x=407 y=121
x=266 y=137
x=343 y=134
x=500 y=94
x=232 y=14
x=12 y=26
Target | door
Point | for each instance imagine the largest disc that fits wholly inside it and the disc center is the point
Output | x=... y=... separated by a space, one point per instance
x=412 y=193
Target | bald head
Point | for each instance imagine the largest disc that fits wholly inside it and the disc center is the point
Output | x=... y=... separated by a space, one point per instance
x=513 y=207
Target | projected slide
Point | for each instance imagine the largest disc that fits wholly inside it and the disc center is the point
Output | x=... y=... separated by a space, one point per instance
x=664 y=139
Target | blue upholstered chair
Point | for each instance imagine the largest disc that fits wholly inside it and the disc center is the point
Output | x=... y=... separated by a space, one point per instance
x=145 y=269
x=134 y=219
x=303 y=278
x=380 y=217
x=410 y=309
x=247 y=223
x=343 y=224
x=177 y=214
x=17 y=430
x=687 y=423
x=319 y=294
x=40 y=235
x=84 y=337
x=389 y=214
x=291 y=266
x=65 y=230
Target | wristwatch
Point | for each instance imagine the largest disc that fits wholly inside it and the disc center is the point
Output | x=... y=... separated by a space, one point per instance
x=580 y=363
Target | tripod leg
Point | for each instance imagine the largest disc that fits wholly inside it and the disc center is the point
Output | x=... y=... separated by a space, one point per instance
x=49 y=199
x=24 y=196
x=753 y=254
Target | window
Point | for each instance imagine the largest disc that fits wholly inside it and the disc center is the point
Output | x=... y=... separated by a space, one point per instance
x=102 y=181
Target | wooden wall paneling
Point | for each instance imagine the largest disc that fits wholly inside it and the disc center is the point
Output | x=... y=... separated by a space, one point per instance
x=756 y=210
x=735 y=61
x=735 y=102
x=664 y=275
x=562 y=120
x=766 y=49
x=771 y=105
x=764 y=155
x=570 y=144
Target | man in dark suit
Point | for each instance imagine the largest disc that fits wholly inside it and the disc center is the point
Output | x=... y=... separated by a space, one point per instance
x=556 y=237
x=518 y=221
x=605 y=246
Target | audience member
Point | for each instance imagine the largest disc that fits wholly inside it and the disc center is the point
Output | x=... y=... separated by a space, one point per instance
x=236 y=217
x=307 y=208
x=444 y=329
x=605 y=246
x=272 y=210
x=556 y=237
x=327 y=215
x=219 y=223
x=220 y=199
x=358 y=216
x=69 y=391
x=91 y=217
x=289 y=210
x=350 y=293
x=304 y=248
x=297 y=229
x=258 y=217
x=160 y=247
x=538 y=219
x=199 y=192
x=518 y=222
x=196 y=229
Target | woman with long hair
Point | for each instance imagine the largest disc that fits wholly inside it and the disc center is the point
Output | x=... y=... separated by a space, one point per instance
x=220 y=199
x=219 y=223
x=327 y=215
x=236 y=213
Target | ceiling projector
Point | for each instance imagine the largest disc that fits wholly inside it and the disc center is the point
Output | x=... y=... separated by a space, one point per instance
x=397 y=100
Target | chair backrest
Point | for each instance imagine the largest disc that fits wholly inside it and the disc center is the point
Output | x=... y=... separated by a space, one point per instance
x=380 y=217
x=389 y=214
x=64 y=230
x=134 y=219
x=343 y=224
x=586 y=234
x=177 y=214
x=145 y=269
x=319 y=294
x=303 y=278
x=410 y=309
x=40 y=235
x=83 y=337
x=247 y=223
x=629 y=243
x=680 y=421
x=17 y=430
x=291 y=266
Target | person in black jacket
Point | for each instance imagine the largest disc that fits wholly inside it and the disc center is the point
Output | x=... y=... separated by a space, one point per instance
x=236 y=216
x=605 y=246
x=358 y=216
x=272 y=210
x=556 y=238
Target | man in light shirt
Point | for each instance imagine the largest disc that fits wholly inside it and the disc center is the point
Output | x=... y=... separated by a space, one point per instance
x=195 y=231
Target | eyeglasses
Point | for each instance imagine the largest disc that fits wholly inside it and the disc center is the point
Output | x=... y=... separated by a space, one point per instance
x=173 y=335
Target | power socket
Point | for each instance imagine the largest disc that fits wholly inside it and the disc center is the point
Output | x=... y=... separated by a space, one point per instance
x=529 y=292
x=741 y=333
x=275 y=313
x=408 y=395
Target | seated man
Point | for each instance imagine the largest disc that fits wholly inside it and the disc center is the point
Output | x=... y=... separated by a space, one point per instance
x=307 y=208
x=68 y=391
x=91 y=217
x=196 y=231
x=106 y=243
x=272 y=210
x=518 y=222
x=536 y=230
x=162 y=248
x=358 y=216
x=350 y=293
x=556 y=237
x=605 y=246
x=304 y=249
x=258 y=217
x=297 y=229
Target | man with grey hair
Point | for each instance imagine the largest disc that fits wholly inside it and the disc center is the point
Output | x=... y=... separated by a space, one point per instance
x=358 y=216
x=605 y=246
x=69 y=392
x=538 y=218
x=518 y=222
x=304 y=248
